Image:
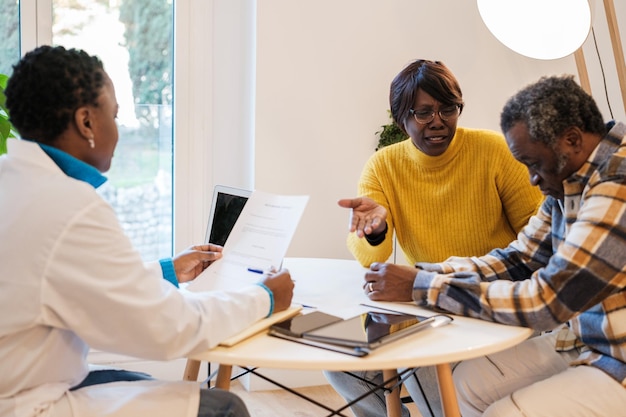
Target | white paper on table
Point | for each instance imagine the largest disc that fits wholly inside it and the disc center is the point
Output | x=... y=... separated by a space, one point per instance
x=259 y=241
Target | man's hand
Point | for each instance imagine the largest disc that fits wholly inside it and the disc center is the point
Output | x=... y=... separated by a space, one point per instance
x=281 y=285
x=367 y=217
x=189 y=263
x=389 y=282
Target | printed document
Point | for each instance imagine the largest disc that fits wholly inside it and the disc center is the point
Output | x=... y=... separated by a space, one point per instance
x=256 y=245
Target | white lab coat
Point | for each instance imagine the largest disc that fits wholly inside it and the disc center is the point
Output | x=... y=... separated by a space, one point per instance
x=70 y=280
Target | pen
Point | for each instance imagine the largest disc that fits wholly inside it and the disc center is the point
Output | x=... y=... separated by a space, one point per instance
x=260 y=271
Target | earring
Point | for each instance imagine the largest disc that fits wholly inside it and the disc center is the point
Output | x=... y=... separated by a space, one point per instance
x=92 y=143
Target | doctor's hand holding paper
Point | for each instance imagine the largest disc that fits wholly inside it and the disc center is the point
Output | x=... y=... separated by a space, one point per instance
x=191 y=262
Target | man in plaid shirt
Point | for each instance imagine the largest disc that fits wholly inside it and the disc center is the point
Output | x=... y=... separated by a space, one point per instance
x=566 y=271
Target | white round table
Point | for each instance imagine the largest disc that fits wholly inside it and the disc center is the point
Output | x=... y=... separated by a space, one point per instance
x=335 y=286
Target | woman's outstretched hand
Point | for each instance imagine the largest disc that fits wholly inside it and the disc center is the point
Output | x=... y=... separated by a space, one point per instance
x=367 y=217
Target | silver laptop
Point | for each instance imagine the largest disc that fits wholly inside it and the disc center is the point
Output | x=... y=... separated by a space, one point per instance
x=226 y=206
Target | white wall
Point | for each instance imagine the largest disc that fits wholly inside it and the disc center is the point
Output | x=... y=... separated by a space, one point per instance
x=323 y=73
x=214 y=105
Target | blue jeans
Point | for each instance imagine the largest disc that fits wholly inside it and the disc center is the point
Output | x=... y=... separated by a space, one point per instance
x=219 y=403
x=350 y=388
x=422 y=387
x=213 y=402
x=110 y=375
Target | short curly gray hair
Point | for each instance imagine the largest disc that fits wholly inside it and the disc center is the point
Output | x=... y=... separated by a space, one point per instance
x=549 y=107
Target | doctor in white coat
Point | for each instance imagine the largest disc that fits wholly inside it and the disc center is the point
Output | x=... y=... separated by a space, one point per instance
x=70 y=278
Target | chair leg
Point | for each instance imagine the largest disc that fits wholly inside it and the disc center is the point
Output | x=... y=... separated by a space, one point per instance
x=392 y=398
x=191 y=370
x=223 y=377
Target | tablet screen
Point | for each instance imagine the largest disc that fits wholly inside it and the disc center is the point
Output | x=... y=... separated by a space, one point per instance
x=368 y=329
x=297 y=325
x=228 y=207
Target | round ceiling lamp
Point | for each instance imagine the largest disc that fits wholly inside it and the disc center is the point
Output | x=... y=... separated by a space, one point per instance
x=541 y=29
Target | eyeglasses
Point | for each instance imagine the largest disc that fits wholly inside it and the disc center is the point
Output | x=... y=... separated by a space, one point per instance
x=426 y=116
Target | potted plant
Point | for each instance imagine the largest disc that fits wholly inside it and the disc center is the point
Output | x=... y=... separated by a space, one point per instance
x=6 y=128
x=390 y=134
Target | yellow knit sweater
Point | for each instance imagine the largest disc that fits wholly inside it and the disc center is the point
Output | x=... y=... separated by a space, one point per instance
x=471 y=199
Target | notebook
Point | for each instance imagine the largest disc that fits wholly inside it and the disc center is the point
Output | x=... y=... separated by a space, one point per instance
x=226 y=206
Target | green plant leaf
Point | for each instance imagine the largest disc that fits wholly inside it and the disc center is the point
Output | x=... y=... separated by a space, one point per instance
x=5 y=131
x=6 y=128
x=390 y=134
x=3 y=97
x=3 y=81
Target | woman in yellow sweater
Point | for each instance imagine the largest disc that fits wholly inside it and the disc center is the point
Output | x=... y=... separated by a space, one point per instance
x=445 y=191
x=448 y=190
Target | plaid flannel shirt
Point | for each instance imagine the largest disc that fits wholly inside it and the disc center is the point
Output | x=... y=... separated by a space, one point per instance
x=568 y=265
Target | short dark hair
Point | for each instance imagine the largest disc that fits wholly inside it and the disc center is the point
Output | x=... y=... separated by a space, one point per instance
x=47 y=86
x=549 y=107
x=431 y=76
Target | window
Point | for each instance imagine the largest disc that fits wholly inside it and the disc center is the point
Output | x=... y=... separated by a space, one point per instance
x=201 y=156
x=134 y=39
x=9 y=34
